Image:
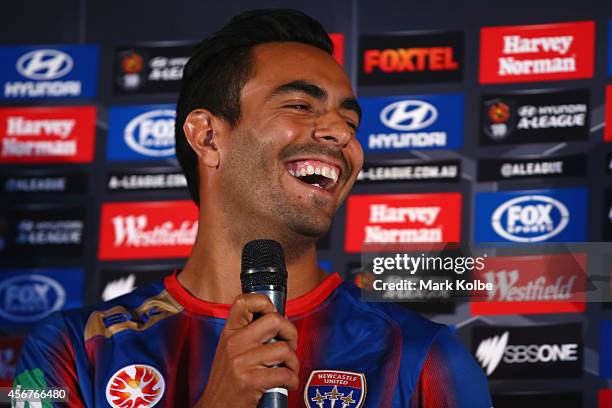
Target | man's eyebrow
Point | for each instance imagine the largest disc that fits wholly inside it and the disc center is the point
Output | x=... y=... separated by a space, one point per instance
x=301 y=86
x=316 y=92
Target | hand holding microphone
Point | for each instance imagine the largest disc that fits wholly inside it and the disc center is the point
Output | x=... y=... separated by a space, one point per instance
x=248 y=362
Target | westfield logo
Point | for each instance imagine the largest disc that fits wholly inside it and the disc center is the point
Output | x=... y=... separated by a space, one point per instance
x=506 y=287
x=134 y=231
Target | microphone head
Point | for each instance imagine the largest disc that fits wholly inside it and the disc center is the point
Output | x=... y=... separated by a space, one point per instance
x=263 y=263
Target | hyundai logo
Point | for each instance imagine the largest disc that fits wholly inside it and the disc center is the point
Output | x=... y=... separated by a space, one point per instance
x=409 y=115
x=44 y=64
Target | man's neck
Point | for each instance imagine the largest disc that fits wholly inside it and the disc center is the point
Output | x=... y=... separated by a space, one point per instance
x=212 y=272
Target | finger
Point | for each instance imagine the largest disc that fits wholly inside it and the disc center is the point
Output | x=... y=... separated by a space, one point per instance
x=244 y=307
x=267 y=378
x=273 y=354
x=269 y=326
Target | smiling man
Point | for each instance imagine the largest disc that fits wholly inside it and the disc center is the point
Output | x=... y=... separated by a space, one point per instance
x=266 y=125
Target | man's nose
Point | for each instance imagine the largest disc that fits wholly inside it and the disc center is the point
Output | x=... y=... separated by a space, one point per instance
x=331 y=128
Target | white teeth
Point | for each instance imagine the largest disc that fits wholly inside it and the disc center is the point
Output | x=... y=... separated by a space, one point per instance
x=317 y=170
x=317 y=184
x=334 y=175
x=292 y=172
x=325 y=171
x=303 y=172
x=310 y=170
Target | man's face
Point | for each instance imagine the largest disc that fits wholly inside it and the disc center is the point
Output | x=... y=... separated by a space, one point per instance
x=293 y=156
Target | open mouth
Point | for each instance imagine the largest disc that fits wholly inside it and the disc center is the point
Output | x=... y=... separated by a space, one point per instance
x=316 y=173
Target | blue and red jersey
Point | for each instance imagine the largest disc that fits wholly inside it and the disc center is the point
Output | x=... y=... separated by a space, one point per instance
x=155 y=346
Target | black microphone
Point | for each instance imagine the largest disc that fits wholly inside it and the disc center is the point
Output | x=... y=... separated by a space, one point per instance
x=263 y=271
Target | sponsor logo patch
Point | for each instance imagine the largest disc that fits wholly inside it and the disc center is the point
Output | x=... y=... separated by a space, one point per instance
x=411 y=122
x=156 y=229
x=141 y=132
x=401 y=58
x=59 y=71
x=531 y=216
x=402 y=219
x=326 y=388
x=401 y=171
x=29 y=295
x=154 y=178
x=42 y=182
x=150 y=68
x=532 y=284
x=509 y=169
x=551 y=351
x=47 y=135
x=537 y=52
x=136 y=385
x=122 y=280
x=535 y=117
x=42 y=230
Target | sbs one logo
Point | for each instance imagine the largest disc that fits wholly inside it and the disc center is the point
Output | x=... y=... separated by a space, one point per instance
x=136 y=385
x=531 y=218
x=493 y=350
x=409 y=115
x=152 y=133
x=45 y=64
x=29 y=298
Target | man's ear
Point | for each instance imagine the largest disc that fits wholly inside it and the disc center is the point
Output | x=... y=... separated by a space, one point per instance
x=199 y=128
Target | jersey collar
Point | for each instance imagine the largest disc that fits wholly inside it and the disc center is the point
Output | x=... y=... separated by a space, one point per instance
x=294 y=307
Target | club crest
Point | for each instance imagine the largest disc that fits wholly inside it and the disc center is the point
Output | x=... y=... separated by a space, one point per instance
x=335 y=389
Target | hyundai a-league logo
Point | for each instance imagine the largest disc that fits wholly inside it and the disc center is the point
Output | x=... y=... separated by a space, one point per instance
x=135 y=386
x=335 y=389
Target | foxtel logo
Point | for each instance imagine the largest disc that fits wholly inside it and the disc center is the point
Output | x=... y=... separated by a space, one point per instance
x=505 y=288
x=134 y=231
x=410 y=60
x=20 y=126
x=493 y=350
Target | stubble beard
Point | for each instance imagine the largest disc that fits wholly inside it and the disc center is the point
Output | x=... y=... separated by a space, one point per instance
x=254 y=198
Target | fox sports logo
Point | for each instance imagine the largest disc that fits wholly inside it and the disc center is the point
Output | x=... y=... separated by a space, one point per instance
x=532 y=218
x=152 y=133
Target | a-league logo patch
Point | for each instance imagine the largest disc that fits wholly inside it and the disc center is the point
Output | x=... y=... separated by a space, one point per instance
x=335 y=389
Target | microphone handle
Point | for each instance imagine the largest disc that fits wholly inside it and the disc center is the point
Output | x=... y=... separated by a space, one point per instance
x=274 y=397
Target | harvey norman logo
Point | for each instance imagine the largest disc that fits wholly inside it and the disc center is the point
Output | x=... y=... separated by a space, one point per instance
x=48 y=72
x=47 y=134
x=412 y=122
x=163 y=229
x=537 y=52
x=532 y=352
x=409 y=218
